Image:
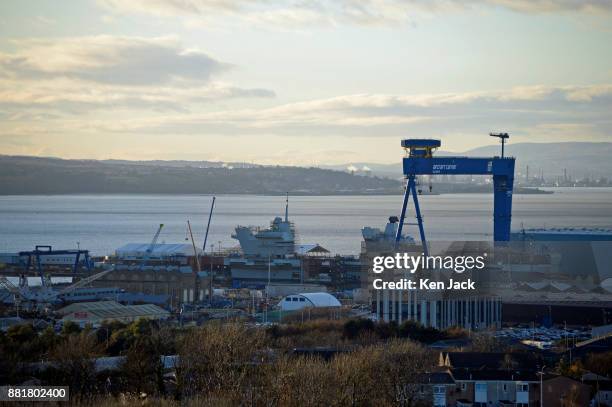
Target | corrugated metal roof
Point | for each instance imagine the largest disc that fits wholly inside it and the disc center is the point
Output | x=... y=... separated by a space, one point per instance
x=102 y=310
x=89 y=306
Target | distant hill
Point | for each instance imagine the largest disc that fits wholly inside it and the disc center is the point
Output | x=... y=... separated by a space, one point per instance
x=580 y=159
x=34 y=175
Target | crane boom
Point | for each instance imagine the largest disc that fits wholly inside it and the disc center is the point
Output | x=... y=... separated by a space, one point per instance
x=7 y=285
x=195 y=251
x=151 y=246
x=212 y=206
x=84 y=282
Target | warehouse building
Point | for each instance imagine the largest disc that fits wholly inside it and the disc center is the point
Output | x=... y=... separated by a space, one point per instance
x=94 y=313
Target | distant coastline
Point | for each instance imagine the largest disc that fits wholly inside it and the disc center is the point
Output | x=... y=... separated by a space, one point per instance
x=52 y=176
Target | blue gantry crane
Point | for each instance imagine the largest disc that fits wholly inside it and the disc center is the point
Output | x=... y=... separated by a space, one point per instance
x=41 y=252
x=420 y=160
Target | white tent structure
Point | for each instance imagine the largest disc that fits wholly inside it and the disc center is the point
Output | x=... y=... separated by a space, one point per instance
x=308 y=300
x=137 y=251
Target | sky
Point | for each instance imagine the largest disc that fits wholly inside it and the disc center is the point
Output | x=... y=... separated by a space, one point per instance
x=304 y=82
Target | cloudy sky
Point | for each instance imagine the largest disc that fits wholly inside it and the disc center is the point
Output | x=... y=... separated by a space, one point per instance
x=302 y=82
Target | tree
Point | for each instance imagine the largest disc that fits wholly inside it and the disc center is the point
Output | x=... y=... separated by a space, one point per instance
x=69 y=328
x=74 y=359
x=217 y=358
x=141 y=366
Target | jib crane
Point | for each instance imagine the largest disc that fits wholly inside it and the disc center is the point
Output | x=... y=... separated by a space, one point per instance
x=149 y=250
x=420 y=160
x=45 y=294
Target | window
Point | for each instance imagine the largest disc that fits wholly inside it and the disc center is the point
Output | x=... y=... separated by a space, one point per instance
x=522 y=387
x=463 y=386
x=439 y=390
x=504 y=387
x=481 y=387
x=302 y=299
x=295 y=299
x=288 y=299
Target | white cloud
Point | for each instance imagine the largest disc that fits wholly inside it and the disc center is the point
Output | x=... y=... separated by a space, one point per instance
x=76 y=74
x=109 y=59
x=534 y=113
x=333 y=12
x=517 y=109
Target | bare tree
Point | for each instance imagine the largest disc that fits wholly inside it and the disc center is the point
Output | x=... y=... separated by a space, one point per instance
x=217 y=358
x=74 y=359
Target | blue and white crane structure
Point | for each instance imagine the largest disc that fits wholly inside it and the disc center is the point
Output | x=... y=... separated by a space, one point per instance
x=420 y=160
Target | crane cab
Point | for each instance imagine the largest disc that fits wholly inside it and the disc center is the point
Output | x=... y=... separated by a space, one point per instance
x=423 y=148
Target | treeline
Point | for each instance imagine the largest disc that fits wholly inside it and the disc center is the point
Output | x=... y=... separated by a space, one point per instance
x=313 y=363
x=31 y=175
x=220 y=364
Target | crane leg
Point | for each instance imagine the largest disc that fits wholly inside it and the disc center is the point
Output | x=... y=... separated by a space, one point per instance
x=417 y=208
x=398 y=235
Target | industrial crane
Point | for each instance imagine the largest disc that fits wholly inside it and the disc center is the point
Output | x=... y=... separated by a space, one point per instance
x=149 y=250
x=46 y=294
x=212 y=207
x=211 y=275
x=420 y=160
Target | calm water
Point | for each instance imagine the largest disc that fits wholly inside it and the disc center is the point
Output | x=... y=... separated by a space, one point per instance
x=101 y=223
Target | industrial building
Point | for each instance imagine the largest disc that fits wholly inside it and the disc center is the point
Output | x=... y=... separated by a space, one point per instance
x=438 y=311
x=159 y=269
x=94 y=313
x=179 y=286
x=157 y=256
x=308 y=300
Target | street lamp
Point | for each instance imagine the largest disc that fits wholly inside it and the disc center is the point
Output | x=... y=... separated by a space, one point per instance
x=541 y=373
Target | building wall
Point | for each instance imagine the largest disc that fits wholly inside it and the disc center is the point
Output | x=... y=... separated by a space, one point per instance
x=180 y=287
x=604 y=398
x=433 y=310
x=464 y=391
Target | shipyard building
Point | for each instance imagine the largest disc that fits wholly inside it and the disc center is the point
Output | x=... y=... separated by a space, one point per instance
x=439 y=309
x=159 y=269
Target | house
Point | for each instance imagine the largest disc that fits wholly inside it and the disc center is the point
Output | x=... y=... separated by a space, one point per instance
x=438 y=388
x=602 y=392
x=483 y=388
x=484 y=379
x=489 y=379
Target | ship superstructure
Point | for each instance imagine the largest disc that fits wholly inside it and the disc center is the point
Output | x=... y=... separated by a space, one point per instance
x=268 y=254
x=276 y=241
x=387 y=235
